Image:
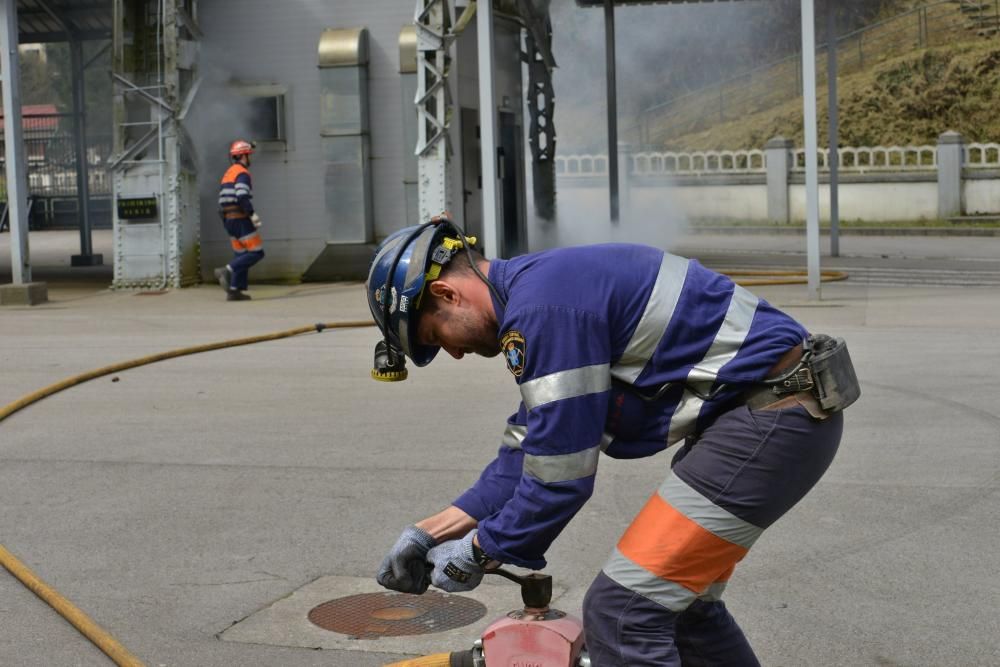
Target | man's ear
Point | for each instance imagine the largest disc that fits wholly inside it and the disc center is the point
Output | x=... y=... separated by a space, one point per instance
x=445 y=291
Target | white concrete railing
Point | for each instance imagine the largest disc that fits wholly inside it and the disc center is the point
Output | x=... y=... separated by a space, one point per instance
x=698 y=162
x=981 y=156
x=860 y=159
x=852 y=159
x=667 y=163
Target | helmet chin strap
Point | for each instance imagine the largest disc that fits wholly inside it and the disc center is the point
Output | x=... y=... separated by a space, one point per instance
x=390 y=362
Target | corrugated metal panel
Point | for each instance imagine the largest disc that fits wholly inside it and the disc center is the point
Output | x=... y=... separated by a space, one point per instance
x=90 y=19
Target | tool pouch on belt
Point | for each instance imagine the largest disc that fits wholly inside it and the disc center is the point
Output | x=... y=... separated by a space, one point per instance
x=826 y=370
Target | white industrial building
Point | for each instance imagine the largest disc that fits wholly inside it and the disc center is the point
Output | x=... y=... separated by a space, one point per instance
x=367 y=118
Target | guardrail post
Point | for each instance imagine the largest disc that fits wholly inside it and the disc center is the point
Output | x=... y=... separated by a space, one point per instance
x=778 y=157
x=949 y=164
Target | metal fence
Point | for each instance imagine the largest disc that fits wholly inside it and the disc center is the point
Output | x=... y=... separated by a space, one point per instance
x=934 y=24
x=50 y=157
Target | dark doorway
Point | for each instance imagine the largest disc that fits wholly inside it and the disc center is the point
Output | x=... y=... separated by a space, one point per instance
x=514 y=241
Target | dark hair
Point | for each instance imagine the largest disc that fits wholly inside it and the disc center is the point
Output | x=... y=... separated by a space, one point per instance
x=457 y=266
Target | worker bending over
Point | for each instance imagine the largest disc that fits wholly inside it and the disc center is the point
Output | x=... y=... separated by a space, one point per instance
x=623 y=350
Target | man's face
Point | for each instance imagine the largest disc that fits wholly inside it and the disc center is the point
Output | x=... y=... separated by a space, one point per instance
x=458 y=329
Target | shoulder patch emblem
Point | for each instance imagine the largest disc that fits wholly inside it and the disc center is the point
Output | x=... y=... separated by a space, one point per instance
x=514 y=351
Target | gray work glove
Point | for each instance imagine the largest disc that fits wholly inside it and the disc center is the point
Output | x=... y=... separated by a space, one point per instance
x=455 y=566
x=405 y=568
x=255 y=219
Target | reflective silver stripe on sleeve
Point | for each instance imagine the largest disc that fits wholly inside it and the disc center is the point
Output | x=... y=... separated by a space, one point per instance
x=655 y=318
x=727 y=343
x=565 y=384
x=562 y=467
x=707 y=514
x=606 y=440
x=671 y=595
x=513 y=435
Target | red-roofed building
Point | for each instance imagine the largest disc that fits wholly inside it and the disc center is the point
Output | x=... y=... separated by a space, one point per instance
x=39 y=122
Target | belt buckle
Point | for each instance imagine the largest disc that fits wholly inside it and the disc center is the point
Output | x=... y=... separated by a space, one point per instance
x=800 y=380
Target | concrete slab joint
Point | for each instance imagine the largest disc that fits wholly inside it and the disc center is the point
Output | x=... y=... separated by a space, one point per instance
x=23 y=294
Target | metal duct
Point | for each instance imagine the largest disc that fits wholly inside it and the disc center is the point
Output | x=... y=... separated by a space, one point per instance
x=344 y=134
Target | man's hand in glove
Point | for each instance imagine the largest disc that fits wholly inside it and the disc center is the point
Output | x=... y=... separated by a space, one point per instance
x=456 y=567
x=405 y=568
x=255 y=219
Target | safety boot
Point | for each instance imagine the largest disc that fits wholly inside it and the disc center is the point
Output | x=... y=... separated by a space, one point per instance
x=236 y=295
x=225 y=276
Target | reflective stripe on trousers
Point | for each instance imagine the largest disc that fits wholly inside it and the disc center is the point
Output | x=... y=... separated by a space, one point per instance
x=659 y=592
x=248 y=249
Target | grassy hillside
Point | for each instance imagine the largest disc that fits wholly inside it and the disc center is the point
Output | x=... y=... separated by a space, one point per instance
x=906 y=100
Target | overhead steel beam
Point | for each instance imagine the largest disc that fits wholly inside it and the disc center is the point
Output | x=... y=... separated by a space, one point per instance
x=60 y=37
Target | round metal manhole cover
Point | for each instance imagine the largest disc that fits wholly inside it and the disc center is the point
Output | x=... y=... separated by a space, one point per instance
x=375 y=615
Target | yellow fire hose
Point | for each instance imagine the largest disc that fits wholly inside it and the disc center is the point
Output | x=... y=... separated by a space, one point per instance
x=118 y=653
x=767 y=277
x=435 y=660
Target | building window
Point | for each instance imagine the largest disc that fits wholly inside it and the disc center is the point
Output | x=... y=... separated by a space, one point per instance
x=266 y=110
x=267 y=118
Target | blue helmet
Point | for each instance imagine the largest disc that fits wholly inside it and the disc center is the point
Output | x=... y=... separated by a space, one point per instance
x=414 y=256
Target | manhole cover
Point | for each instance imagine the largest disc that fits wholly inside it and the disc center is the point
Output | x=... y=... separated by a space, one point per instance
x=374 y=615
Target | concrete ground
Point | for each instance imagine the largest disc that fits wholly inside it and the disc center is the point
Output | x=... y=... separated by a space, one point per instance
x=186 y=505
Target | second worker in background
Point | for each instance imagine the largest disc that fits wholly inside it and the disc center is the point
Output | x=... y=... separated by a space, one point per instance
x=241 y=221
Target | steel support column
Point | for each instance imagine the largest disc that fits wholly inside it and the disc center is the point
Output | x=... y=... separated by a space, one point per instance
x=488 y=129
x=812 y=146
x=86 y=256
x=609 y=55
x=541 y=110
x=834 y=154
x=434 y=108
x=17 y=178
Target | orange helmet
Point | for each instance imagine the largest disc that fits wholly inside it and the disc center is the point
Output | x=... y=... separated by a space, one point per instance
x=241 y=147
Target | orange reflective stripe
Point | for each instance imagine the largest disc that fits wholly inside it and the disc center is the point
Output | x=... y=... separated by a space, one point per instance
x=671 y=546
x=252 y=242
x=233 y=171
x=725 y=576
x=235 y=243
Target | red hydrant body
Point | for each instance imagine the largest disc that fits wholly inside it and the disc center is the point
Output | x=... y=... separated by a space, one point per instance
x=534 y=638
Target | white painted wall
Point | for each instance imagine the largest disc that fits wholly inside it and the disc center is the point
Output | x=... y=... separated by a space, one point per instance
x=723 y=202
x=267 y=42
x=876 y=201
x=872 y=201
x=981 y=196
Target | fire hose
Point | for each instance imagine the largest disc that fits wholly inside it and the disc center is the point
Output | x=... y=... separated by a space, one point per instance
x=77 y=618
